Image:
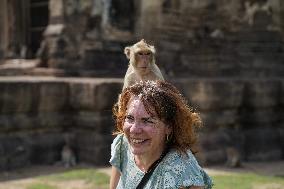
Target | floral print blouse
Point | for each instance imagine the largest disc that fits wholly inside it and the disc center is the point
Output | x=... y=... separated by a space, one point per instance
x=173 y=172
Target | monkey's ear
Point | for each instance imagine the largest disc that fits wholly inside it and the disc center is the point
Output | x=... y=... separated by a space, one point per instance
x=127 y=52
x=152 y=49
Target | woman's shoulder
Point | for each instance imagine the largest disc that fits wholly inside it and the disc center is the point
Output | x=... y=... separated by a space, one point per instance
x=118 y=151
x=179 y=169
x=118 y=141
x=179 y=163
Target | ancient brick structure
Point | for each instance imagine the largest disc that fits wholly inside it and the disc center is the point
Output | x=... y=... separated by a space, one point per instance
x=226 y=56
x=37 y=112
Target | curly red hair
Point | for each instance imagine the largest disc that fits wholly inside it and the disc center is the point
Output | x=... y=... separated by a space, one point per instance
x=170 y=107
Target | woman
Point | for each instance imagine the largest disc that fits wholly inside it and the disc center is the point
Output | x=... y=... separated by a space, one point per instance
x=155 y=140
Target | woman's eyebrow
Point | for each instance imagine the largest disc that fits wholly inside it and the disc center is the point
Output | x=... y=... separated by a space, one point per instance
x=149 y=118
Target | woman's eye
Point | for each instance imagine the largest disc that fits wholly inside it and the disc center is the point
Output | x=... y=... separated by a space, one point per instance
x=129 y=118
x=148 y=121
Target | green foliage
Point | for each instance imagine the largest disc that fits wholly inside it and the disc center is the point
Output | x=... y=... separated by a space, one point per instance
x=89 y=175
x=247 y=181
x=41 y=186
x=94 y=179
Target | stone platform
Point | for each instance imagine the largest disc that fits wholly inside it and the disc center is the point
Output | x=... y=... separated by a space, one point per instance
x=37 y=112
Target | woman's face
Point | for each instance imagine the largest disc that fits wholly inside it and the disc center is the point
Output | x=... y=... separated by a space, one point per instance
x=145 y=133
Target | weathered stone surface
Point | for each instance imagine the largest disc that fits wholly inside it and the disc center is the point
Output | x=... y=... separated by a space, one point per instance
x=259 y=117
x=15 y=152
x=106 y=95
x=262 y=93
x=216 y=156
x=211 y=94
x=19 y=96
x=83 y=107
x=89 y=140
x=262 y=144
x=93 y=147
x=56 y=8
x=229 y=54
x=213 y=145
x=281 y=136
x=98 y=156
x=48 y=108
x=92 y=96
x=220 y=119
x=209 y=62
x=53 y=97
x=12 y=122
x=82 y=96
x=208 y=39
x=59 y=120
x=16 y=121
x=221 y=138
x=102 y=62
x=99 y=122
x=260 y=55
x=45 y=147
x=282 y=94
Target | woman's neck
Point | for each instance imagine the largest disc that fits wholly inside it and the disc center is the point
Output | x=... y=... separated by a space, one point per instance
x=144 y=162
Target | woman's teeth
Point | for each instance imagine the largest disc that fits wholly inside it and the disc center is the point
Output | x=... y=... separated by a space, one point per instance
x=136 y=141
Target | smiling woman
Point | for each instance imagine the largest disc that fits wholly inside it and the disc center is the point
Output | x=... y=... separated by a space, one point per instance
x=155 y=140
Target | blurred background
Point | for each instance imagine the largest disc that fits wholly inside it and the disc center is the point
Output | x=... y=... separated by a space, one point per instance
x=62 y=67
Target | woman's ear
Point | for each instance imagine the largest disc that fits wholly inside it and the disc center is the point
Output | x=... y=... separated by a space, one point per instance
x=169 y=131
x=169 y=134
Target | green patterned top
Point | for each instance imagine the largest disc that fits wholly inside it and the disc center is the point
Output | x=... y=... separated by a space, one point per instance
x=174 y=171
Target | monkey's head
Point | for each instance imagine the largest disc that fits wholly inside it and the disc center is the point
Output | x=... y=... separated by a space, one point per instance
x=141 y=56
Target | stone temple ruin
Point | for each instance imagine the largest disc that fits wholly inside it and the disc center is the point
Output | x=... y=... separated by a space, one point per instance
x=62 y=64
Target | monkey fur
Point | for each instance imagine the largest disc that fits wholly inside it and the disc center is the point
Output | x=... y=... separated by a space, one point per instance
x=142 y=64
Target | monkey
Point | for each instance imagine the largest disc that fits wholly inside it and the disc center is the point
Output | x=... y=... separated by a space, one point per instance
x=233 y=157
x=142 y=64
x=67 y=154
x=252 y=8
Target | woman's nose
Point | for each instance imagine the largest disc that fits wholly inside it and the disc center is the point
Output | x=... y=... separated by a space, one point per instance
x=135 y=128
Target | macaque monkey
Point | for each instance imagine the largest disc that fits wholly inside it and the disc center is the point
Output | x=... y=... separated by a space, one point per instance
x=67 y=154
x=142 y=64
x=252 y=8
x=233 y=157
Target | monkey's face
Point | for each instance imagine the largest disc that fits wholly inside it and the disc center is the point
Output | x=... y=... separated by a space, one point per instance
x=141 y=56
x=143 y=61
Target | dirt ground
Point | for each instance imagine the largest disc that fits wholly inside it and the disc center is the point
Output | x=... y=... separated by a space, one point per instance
x=17 y=178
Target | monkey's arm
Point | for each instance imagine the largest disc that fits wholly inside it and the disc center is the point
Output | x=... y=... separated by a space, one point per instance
x=129 y=78
x=158 y=72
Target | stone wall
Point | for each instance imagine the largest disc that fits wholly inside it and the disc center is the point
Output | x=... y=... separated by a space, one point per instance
x=204 y=38
x=241 y=113
x=2 y=30
x=226 y=56
x=36 y=113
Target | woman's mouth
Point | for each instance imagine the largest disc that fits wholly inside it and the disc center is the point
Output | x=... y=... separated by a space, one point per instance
x=138 y=141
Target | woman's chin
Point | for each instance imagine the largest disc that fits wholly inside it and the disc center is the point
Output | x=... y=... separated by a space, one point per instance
x=137 y=151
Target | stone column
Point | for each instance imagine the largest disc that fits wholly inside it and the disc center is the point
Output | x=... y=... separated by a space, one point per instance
x=51 y=52
x=276 y=12
x=282 y=15
x=150 y=14
x=61 y=46
x=3 y=29
x=56 y=11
